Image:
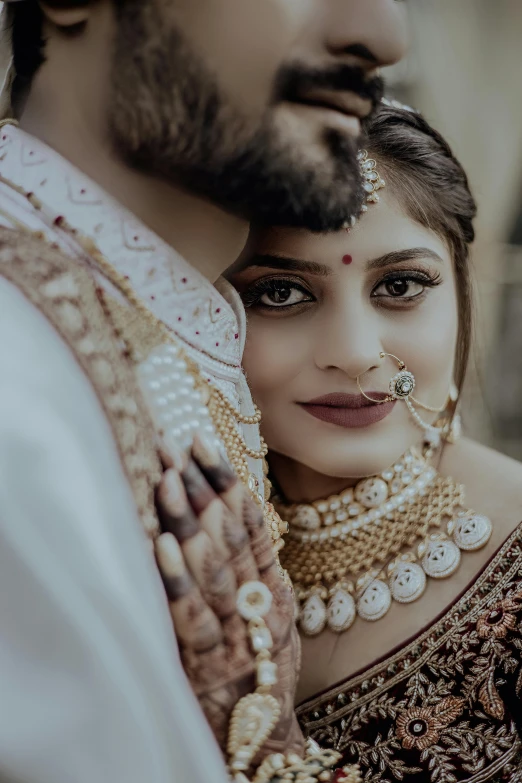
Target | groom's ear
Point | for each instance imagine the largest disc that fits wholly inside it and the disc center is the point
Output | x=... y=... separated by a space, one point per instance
x=66 y=13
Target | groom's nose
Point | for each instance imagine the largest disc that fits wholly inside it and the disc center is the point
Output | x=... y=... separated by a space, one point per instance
x=368 y=33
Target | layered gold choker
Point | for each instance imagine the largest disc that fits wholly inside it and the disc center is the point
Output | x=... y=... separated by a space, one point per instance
x=355 y=552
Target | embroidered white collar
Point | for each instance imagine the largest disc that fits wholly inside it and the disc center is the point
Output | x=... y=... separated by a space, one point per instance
x=176 y=293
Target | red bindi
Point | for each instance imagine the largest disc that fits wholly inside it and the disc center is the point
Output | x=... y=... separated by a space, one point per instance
x=347 y=259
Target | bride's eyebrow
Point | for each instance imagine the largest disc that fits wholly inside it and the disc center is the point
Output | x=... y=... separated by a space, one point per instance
x=287 y=264
x=410 y=254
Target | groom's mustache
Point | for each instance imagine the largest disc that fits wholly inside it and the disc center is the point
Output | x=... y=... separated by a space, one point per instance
x=294 y=83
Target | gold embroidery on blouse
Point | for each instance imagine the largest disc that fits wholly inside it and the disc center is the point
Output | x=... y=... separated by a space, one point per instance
x=447 y=707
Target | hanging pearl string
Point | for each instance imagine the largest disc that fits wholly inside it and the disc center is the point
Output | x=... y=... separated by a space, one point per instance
x=220 y=408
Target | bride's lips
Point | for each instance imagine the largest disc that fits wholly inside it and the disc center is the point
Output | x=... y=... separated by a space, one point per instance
x=349 y=410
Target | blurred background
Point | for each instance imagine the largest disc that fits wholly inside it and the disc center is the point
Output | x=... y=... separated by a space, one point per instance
x=464 y=73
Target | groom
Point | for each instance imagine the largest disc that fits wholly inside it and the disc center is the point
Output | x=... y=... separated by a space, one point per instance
x=151 y=131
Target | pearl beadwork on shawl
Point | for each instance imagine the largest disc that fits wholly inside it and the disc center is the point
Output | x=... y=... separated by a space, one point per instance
x=177 y=407
x=181 y=305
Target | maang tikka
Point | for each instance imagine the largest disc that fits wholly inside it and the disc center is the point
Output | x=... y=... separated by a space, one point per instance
x=401 y=387
x=372 y=182
x=371 y=179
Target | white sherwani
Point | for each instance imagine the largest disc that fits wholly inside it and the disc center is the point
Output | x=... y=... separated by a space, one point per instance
x=91 y=687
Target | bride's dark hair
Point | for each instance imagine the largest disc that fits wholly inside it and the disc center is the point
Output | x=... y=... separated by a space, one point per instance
x=421 y=170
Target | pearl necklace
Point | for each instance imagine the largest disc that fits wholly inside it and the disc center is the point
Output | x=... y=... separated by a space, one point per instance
x=337 y=549
x=183 y=402
x=220 y=408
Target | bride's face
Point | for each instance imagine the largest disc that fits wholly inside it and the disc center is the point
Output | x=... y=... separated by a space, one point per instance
x=321 y=308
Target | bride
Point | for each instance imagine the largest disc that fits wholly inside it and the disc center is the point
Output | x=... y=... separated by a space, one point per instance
x=404 y=542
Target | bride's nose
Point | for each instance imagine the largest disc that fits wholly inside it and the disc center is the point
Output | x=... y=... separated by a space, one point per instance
x=348 y=341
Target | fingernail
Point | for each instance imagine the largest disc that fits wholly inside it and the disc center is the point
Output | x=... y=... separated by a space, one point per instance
x=175 y=492
x=220 y=477
x=198 y=490
x=205 y=452
x=169 y=556
x=179 y=458
x=173 y=456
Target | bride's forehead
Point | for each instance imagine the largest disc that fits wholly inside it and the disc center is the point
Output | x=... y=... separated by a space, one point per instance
x=385 y=227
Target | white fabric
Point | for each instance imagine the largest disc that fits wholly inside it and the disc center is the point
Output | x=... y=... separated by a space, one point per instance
x=90 y=681
x=91 y=687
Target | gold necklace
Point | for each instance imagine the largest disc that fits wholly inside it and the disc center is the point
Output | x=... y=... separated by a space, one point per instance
x=337 y=549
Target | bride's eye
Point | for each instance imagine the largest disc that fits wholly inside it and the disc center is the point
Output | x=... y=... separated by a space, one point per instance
x=282 y=294
x=403 y=287
x=275 y=293
x=407 y=286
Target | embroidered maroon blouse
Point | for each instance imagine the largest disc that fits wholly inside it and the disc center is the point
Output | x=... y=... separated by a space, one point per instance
x=446 y=707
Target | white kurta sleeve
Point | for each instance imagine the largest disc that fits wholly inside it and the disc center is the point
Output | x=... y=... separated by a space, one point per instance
x=91 y=688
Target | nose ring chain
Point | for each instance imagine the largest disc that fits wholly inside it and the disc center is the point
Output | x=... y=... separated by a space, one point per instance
x=401 y=387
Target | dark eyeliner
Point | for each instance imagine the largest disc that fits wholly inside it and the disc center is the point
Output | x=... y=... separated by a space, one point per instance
x=255 y=291
x=413 y=275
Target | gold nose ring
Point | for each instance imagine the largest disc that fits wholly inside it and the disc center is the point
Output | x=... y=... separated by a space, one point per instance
x=401 y=385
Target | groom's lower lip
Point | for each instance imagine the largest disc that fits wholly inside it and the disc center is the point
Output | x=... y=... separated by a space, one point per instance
x=350 y=418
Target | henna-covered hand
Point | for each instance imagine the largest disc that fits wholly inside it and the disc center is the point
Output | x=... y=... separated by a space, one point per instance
x=214 y=539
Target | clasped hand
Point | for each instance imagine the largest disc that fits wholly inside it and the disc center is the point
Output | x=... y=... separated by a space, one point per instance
x=214 y=540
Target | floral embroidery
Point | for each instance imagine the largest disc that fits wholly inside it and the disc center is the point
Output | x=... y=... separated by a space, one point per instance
x=496 y=622
x=420 y=727
x=447 y=708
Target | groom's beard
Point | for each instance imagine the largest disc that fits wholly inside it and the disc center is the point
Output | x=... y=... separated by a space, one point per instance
x=170 y=118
